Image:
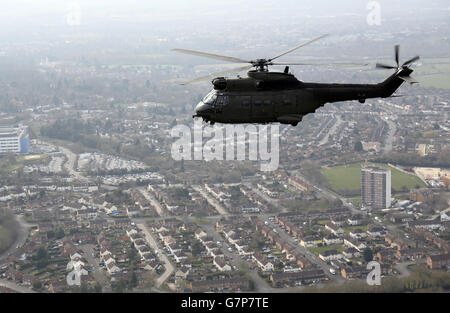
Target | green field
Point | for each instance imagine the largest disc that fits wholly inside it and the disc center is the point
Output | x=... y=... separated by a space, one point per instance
x=356 y=200
x=349 y=229
x=318 y=250
x=349 y=177
x=437 y=81
x=202 y=221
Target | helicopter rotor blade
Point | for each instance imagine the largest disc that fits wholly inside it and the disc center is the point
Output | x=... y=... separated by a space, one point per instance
x=411 y=60
x=299 y=46
x=218 y=74
x=320 y=64
x=211 y=56
x=379 y=65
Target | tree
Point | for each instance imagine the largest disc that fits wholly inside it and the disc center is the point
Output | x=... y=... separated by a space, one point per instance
x=41 y=258
x=41 y=254
x=119 y=286
x=134 y=280
x=84 y=288
x=60 y=233
x=367 y=255
x=37 y=285
x=358 y=146
x=196 y=248
x=98 y=288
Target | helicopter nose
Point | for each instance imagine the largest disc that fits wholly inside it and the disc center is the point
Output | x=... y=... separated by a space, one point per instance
x=202 y=109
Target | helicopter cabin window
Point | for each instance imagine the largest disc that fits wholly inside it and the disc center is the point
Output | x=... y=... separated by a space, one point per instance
x=258 y=103
x=245 y=102
x=287 y=101
x=267 y=102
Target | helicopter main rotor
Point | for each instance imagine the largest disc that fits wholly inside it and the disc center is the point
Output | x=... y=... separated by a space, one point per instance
x=261 y=65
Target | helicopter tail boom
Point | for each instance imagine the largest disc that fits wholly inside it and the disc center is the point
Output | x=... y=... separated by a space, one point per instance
x=328 y=93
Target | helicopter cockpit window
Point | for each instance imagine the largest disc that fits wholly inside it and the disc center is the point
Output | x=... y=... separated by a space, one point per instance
x=210 y=98
x=222 y=101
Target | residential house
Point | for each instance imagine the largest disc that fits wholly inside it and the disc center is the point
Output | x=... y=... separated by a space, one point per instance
x=221 y=265
x=330 y=255
x=438 y=261
x=263 y=262
x=302 y=276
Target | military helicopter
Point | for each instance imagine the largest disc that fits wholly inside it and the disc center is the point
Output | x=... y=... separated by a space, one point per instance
x=269 y=97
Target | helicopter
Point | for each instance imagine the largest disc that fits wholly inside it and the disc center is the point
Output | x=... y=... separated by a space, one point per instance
x=269 y=97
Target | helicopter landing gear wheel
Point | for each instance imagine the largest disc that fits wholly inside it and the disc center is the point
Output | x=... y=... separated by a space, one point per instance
x=294 y=124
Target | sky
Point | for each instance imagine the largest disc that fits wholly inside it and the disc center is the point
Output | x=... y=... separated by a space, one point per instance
x=54 y=12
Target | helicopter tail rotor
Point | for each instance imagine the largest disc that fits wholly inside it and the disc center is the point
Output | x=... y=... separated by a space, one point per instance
x=402 y=70
x=397 y=58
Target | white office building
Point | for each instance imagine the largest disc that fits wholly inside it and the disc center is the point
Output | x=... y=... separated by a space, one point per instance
x=14 y=139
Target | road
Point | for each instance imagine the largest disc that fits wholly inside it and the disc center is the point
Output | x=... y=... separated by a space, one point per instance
x=153 y=201
x=15 y=287
x=219 y=208
x=402 y=268
x=305 y=252
x=268 y=199
x=332 y=130
x=162 y=256
x=236 y=260
x=99 y=274
x=388 y=142
x=69 y=165
x=21 y=237
x=440 y=213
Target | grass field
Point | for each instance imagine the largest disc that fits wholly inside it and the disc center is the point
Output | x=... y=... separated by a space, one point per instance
x=349 y=229
x=356 y=200
x=202 y=221
x=437 y=81
x=318 y=250
x=349 y=177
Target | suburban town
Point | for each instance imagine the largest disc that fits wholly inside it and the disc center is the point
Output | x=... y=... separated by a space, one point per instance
x=92 y=200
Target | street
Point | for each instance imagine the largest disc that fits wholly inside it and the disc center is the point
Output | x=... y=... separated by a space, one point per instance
x=219 y=208
x=99 y=274
x=155 y=203
x=14 y=286
x=162 y=256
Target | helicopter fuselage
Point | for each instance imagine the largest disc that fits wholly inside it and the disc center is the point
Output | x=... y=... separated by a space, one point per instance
x=269 y=97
